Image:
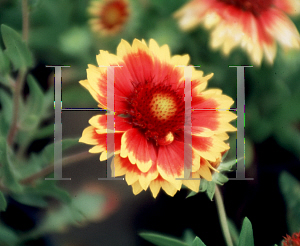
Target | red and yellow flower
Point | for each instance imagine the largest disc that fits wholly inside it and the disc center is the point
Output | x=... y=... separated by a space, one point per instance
x=293 y=240
x=108 y=17
x=150 y=114
x=254 y=25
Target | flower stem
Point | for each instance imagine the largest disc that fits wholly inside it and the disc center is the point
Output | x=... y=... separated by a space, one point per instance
x=17 y=93
x=222 y=216
x=20 y=79
x=49 y=169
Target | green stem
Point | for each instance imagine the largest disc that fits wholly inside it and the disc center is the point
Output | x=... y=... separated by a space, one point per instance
x=222 y=216
x=17 y=94
x=20 y=79
x=49 y=169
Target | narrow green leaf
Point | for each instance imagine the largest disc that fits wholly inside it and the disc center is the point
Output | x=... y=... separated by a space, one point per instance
x=48 y=108
x=192 y=193
x=4 y=63
x=9 y=178
x=229 y=165
x=16 y=49
x=7 y=106
x=161 y=240
x=203 y=185
x=30 y=200
x=7 y=236
x=48 y=152
x=189 y=236
x=211 y=187
x=44 y=132
x=290 y=188
x=30 y=122
x=224 y=156
x=4 y=126
x=35 y=101
x=198 y=242
x=219 y=178
x=31 y=116
x=3 y=203
x=48 y=188
x=246 y=236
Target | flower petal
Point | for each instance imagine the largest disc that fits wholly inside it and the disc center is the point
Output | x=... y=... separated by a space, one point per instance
x=135 y=146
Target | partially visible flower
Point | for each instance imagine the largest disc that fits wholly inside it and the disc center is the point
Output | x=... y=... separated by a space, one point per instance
x=108 y=17
x=293 y=240
x=149 y=118
x=254 y=25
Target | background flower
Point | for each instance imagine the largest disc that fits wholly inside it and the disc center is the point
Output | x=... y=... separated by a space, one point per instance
x=253 y=25
x=293 y=240
x=108 y=16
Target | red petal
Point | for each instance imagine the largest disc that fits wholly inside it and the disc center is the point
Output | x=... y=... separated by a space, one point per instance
x=135 y=146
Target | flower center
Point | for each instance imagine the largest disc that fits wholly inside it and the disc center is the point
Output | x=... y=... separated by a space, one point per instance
x=113 y=14
x=163 y=106
x=158 y=111
x=254 y=6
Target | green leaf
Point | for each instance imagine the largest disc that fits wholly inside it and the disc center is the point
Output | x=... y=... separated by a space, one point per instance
x=161 y=240
x=44 y=132
x=36 y=196
x=50 y=189
x=246 y=236
x=7 y=236
x=233 y=232
x=198 y=242
x=7 y=106
x=192 y=193
x=4 y=63
x=290 y=188
x=3 y=203
x=188 y=236
x=228 y=165
x=224 y=156
x=219 y=178
x=9 y=178
x=30 y=122
x=84 y=207
x=203 y=185
x=211 y=187
x=48 y=152
x=35 y=101
x=31 y=116
x=30 y=200
x=4 y=126
x=16 y=49
x=40 y=160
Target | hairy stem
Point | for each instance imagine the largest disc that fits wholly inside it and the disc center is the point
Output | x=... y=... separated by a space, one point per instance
x=20 y=79
x=49 y=169
x=222 y=216
x=16 y=99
